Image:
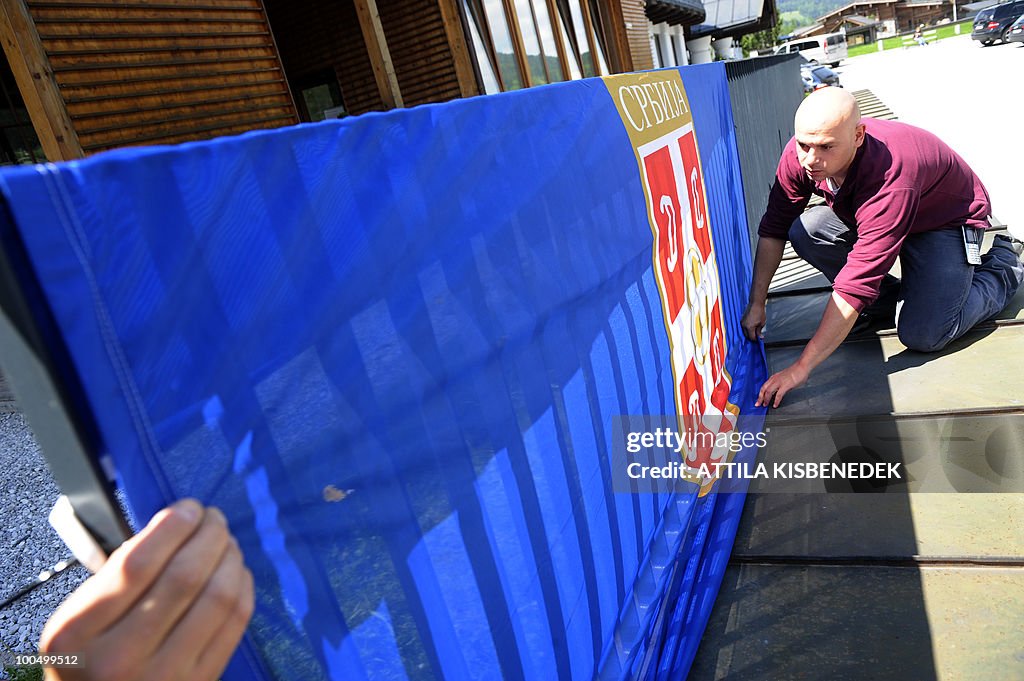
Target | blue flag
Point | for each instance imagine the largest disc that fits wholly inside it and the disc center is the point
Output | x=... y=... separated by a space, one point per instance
x=392 y=349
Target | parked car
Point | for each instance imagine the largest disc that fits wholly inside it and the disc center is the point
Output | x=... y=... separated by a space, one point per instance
x=821 y=49
x=816 y=77
x=1016 y=34
x=993 y=23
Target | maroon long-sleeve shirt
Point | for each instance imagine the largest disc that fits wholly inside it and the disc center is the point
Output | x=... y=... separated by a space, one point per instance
x=903 y=180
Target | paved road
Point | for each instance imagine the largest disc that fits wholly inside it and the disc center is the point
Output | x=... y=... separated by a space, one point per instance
x=968 y=95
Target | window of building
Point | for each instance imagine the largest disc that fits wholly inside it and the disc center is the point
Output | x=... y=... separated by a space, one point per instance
x=531 y=43
x=498 y=26
x=319 y=97
x=572 y=53
x=522 y=43
x=580 y=38
x=483 y=58
x=597 y=37
x=18 y=140
x=548 y=41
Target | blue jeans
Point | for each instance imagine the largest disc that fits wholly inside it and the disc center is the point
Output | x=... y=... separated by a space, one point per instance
x=940 y=298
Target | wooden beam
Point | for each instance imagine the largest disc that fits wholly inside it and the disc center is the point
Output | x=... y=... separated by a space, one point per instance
x=456 y=33
x=564 y=55
x=540 y=43
x=277 y=57
x=620 y=59
x=380 y=57
x=588 y=26
x=32 y=73
x=512 y=19
x=488 y=37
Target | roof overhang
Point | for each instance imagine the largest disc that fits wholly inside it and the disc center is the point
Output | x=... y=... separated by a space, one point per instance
x=675 y=12
x=860 y=3
x=734 y=18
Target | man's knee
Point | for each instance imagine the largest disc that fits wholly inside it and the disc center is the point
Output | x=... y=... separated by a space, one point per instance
x=923 y=337
x=815 y=226
x=809 y=223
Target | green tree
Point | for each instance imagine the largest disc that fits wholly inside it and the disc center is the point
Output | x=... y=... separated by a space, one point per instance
x=764 y=41
x=761 y=41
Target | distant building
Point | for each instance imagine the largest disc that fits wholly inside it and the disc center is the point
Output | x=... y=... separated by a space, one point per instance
x=859 y=29
x=893 y=16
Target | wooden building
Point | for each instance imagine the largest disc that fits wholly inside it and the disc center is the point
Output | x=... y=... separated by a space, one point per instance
x=859 y=30
x=82 y=76
x=897 y=16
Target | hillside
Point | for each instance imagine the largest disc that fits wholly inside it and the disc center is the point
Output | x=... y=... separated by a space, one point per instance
x=810 y=9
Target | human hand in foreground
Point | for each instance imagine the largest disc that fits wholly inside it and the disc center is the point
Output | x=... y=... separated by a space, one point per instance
x=753 y=321
x=778 y=384
x=171 y=603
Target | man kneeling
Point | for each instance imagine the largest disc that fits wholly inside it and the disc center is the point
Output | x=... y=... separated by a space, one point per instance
x=890 y=190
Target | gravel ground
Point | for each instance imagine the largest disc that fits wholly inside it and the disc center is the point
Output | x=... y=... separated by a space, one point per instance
x=28 y=542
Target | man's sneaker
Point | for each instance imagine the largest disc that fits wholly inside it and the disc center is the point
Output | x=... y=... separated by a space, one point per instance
x=1011 y=242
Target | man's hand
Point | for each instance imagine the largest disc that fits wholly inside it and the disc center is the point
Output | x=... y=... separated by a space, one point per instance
x=766 y=261
x=778 y=384
x=836 y=323
x=171 y=603
x=753 y=321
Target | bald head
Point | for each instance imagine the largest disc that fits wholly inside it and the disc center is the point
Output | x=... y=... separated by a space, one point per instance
x=828 y=133
x=830 y=109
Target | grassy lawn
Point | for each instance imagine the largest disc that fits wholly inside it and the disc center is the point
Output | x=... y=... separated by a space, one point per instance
x=943 y=32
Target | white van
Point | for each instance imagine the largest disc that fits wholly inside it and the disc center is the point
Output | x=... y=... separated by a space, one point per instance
x=822 y=49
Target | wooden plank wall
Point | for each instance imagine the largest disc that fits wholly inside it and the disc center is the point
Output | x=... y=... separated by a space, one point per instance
x=420 y=51
x=163 y=72
x=638 y=39
x=36 y=84
x=316 y=36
